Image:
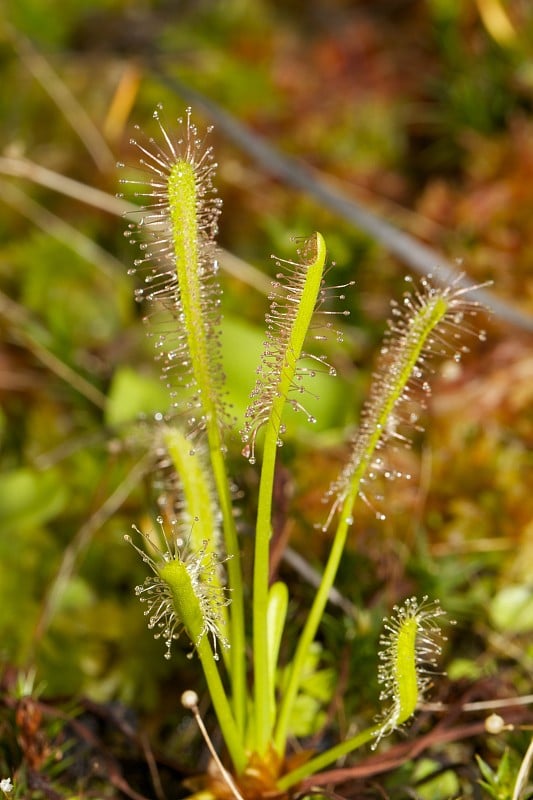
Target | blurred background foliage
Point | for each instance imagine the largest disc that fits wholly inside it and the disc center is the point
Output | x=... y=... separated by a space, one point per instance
x=421 y=111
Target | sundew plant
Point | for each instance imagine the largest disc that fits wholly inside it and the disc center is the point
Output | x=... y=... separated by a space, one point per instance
x=197 y=589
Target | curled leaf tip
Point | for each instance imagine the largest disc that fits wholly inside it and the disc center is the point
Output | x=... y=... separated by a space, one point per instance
x=296 y=293
x=183 y=593
x=411 y=646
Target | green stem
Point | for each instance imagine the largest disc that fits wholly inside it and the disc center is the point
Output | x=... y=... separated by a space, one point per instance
x=326 y=758
x=228 y=726
x=262 y=679
x=235 y=581
x=295 y=340
x=309 y=632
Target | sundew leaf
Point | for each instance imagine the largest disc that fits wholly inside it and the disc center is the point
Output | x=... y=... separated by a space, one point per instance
x=179 y=272
x=296 y=295
x=197 y=518
x=428 y=323
x=179 y=268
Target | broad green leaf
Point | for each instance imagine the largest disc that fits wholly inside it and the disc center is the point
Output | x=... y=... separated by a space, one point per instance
x=28 y=498
x=511 y=610
x=133 y=395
